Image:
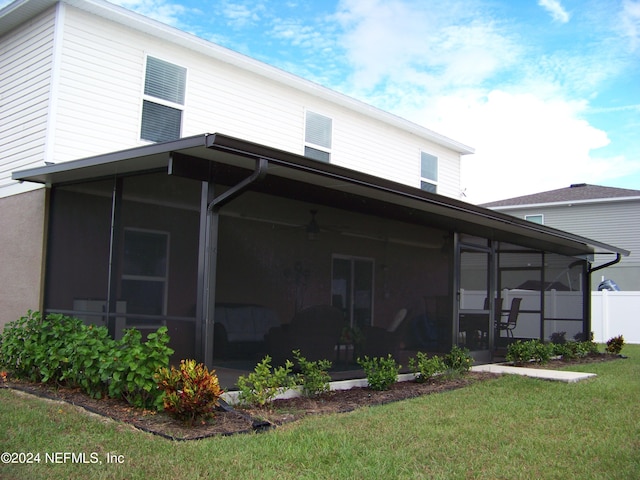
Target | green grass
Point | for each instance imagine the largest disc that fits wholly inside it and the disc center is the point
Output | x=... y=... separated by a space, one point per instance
x=509 y=428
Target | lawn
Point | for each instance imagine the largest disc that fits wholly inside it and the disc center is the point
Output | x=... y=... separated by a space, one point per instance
x=508 y=428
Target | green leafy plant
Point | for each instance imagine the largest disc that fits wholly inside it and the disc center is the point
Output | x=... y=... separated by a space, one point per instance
x=541 y=352
x=190 y=392
x=314 y=377
x=425 y=367
x=381 y=372
x=263 y=384
x=458 y=360
x=565 y=350
x=571 y=349
x=62 y=350
x=615 y=344
x=534 y=350
x=519 y=352
x=134 y=365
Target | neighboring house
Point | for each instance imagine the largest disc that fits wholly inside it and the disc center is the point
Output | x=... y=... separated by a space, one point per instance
x=310 y=220
x=608 y=214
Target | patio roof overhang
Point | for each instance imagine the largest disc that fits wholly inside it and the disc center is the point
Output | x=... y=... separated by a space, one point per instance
x=289 y=174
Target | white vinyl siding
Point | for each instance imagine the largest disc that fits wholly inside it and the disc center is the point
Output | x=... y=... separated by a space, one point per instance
x=99 y=89
x=25 y=70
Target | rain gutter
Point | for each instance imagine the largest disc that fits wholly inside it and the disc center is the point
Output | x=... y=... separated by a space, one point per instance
x=605 y=265
x=258 y=174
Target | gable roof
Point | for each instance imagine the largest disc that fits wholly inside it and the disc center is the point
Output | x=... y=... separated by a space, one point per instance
x=577 y=192
x=300 y=175
x=21 y=11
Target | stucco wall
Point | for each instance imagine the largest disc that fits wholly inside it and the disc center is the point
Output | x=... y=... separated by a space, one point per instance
x=22 y=233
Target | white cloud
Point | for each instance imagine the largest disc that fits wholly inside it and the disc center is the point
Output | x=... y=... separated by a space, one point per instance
x=241 y=15
x=631 y=22
x=557 y=11
x=524 y=143
x=398 y=41
x=470 y=76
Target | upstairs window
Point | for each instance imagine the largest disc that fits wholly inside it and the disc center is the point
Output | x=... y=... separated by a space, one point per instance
x=317 y=137
x=428 y=172
x=163 y=102
x=538 y=218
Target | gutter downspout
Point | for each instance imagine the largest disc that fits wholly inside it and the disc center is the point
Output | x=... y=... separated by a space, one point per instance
x=211 y=252
x=605 y=265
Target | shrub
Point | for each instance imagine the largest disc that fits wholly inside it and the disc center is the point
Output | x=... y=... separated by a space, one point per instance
x=558 y=337
x=381 y=372
x=314 y=377
x=189 y=392
x=590 y=347
x=519 y=352
x=533 y=350
x=35 y=348
x=134 y=365
x=615 y=344
x=62 y=350
x=541 y=352
x=263 y=384
x=425 y=367
x=458 y=360
x=565 y=350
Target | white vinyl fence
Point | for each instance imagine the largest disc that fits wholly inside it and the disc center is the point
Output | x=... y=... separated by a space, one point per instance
x=615 y=313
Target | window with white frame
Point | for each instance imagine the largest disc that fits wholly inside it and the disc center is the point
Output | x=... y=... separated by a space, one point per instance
x=537 y=218
x=163 y=101
x=317 y=137
x=428 y=172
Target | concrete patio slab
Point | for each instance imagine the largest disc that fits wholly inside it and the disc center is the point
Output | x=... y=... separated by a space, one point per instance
x=557 y=375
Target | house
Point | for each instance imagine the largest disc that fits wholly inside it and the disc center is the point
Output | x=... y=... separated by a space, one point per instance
x=611 y=215
x=151 y=178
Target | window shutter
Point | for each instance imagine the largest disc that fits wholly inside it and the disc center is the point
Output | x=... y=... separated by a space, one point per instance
x=318 y=130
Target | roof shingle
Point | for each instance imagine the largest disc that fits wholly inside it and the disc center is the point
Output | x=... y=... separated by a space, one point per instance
x=573 y=193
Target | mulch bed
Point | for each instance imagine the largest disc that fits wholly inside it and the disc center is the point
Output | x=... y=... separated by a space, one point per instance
x=228 y=420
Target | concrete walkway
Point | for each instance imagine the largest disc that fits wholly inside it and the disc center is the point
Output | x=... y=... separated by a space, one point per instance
x=557 y=375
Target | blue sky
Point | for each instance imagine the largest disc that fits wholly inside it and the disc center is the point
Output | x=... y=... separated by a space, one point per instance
x=546 y=91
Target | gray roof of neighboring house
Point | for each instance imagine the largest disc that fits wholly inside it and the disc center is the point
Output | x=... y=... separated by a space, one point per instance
x=578 y=192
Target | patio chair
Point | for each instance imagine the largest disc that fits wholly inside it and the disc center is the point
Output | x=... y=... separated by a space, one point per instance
x=511 y=317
